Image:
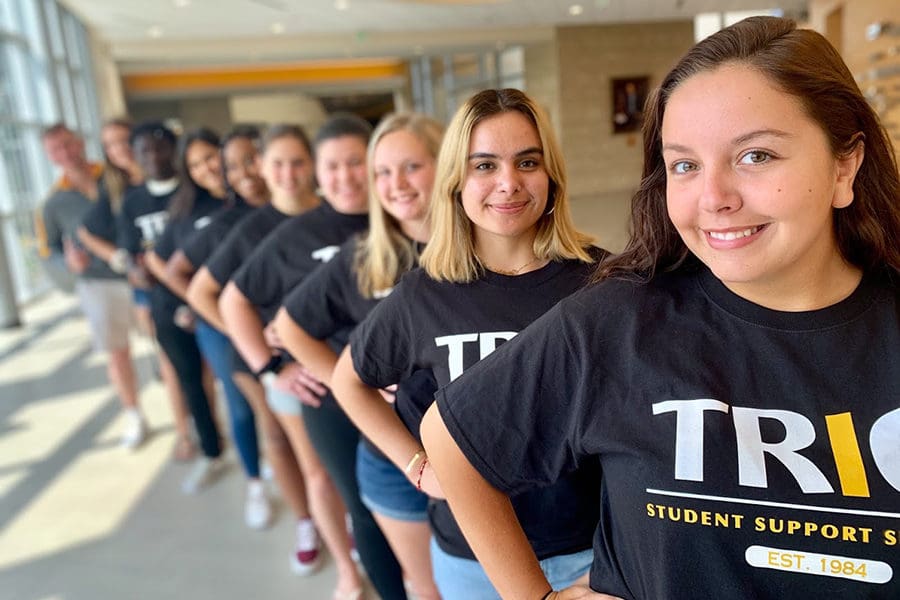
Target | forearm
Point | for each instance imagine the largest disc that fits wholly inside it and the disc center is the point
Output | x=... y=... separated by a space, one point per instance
x=371 y=413
x=485 y=516
x=316 y=355
x=156 y=266
x=244 y=327
x=96 y=245
x=178 y=272
x=203 y=296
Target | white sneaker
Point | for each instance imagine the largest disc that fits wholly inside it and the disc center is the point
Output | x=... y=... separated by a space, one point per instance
x=204 y=471
x=135 y=431
x=266 y=472
x=306 y=557
x=257 y=509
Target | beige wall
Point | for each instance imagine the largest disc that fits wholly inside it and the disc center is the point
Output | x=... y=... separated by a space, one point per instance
x=571 y=77
x=295 y=107
x=110 y=97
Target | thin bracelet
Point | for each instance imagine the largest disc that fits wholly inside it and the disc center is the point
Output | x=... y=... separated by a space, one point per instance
x=550 y=594
x=413 y=460
x=421 y=470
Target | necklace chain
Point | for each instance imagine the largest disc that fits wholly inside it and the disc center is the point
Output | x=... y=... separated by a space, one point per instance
x=505 y=271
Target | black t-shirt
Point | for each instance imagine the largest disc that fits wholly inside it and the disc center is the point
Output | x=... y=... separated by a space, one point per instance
x=100 y=219
x=447 y=328
x=142 y=220
x=291 y=252
x=200 y=246
x=164 y=302
x=746 y=453
x=328 y=305
x=242 y=240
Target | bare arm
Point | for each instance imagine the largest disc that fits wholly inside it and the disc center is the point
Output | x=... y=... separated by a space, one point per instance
x=315 y=354
x=377 y=419
x=96 y=245
x=203 y=296
x=244 y=326
x=485 y=516
x=179 y=270
x=155 y=265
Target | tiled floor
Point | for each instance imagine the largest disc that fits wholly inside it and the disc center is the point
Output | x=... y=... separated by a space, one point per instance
x=82 y=518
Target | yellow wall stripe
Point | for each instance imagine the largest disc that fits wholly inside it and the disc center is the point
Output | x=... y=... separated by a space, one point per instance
x=251 y=77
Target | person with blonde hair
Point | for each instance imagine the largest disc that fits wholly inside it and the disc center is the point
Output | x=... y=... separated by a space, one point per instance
x=324 y=440
x=735 y=371
x=329 y=303
x=503 y=250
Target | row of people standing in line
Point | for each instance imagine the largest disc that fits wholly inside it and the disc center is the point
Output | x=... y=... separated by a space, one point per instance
x=502 y=250
x=365 y=272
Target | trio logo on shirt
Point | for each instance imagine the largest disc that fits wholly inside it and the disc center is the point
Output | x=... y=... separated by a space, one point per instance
x=152 y=224
x=325 y=254
x=883 y=441
x=202 y=222
x=487 y=343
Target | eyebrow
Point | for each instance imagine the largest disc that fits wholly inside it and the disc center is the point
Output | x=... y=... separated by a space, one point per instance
x=741 y=139
x=532 y=150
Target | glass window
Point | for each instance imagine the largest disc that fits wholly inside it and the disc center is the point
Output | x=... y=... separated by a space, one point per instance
x=45 y=77
x=54 y=31
x=8 y=20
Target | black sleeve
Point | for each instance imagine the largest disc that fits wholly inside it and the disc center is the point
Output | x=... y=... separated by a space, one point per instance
x=128 y=236
x=99 y=220
x=165 y=246
x=381 y=345
x=227 y=258
x=201 y=244
x=532 y=385
x=258 y=277
x=319 y=303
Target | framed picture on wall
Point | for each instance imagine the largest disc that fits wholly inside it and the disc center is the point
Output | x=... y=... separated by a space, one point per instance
x=628 y=96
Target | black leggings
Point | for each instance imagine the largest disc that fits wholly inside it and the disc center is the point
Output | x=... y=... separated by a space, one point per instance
x=335 y=438
x=181 y=348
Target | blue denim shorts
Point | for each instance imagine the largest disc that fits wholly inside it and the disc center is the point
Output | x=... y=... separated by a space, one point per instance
x=282 y=402
x=141 y=297
x=385 y=490
x=458 y=577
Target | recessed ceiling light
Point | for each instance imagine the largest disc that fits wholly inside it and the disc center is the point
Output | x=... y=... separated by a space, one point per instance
x=181 y=3
x=155 y=31
x=277 y=28
x=576 y=9
x=341 y=4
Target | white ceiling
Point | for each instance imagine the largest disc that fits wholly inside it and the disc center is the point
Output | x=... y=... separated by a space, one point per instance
x=146 y=34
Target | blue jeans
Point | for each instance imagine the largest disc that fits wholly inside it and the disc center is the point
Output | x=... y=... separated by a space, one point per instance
x=216 y=348
x=462 y=578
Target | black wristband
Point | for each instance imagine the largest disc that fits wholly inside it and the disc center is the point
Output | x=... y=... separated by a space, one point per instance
x=548 y=594
x=274 y=365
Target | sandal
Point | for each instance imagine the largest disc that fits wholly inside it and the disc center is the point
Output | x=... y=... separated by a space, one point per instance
x=184 y=450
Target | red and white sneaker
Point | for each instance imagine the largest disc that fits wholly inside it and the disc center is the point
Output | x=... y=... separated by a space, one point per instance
x=306 y=557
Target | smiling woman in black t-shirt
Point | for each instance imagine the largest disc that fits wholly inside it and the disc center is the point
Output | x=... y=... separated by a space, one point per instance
x=330 y=302
x=736 y=371
x=324 y=441
x=503 y=251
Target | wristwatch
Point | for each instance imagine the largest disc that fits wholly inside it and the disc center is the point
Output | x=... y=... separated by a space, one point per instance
x=275 y=364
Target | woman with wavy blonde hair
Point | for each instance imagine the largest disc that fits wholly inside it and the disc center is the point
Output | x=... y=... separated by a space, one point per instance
x=503 y=251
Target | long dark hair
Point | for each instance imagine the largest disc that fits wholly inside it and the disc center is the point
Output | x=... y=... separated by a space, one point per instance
x=803 y=64
x=182 y=203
